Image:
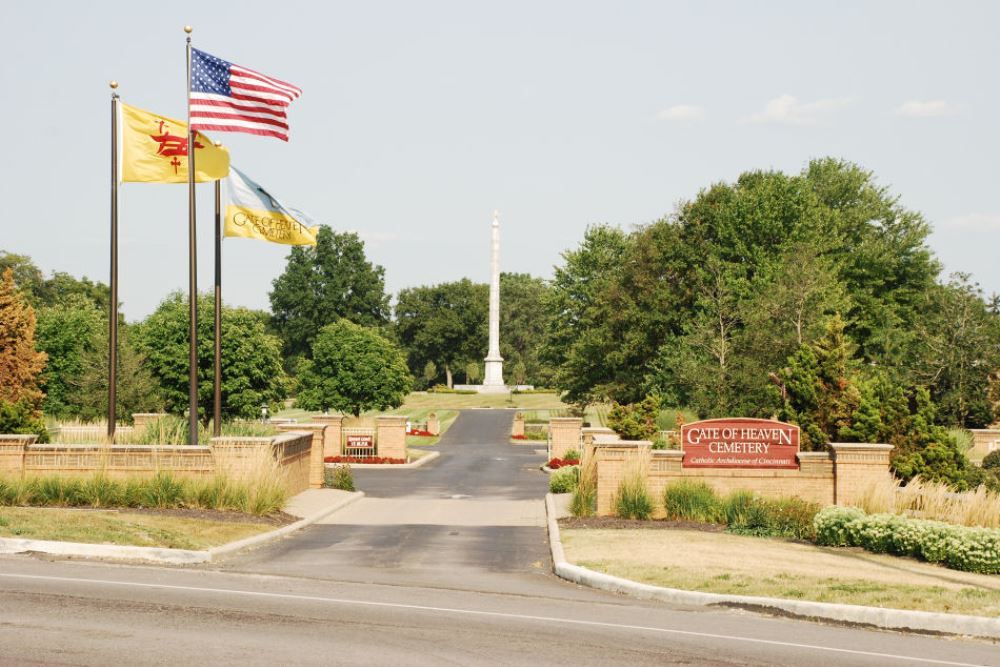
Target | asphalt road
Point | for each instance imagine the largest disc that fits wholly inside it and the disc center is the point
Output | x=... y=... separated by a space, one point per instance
x=409 y=593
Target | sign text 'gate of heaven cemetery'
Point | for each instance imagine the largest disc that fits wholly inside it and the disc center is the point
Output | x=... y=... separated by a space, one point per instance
x=740 y=443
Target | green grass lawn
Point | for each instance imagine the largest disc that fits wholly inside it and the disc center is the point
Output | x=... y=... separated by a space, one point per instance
x=735 y=564
x=419 y=404
x=123 y=528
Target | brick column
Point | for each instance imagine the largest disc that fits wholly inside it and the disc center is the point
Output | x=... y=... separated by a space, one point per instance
x=610 y=468
x=433 y=424
x=390 y=437
x=334 y=433
x=857 y=466
x=564 y=435
x=12 y=450
x=316 y=453
x=517 y=430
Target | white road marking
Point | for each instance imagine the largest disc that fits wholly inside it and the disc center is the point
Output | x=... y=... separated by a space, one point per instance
x=477 y=612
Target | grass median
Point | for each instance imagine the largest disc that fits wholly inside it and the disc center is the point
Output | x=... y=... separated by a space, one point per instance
x=172 y=530
x=717 y=562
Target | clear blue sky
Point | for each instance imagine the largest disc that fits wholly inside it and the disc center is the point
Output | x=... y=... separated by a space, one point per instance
x=418 y=119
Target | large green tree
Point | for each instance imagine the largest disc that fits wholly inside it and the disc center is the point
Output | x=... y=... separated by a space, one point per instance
x=252 y=373
x=68 y=332
x=61 y=288
x=323 y=284
x=445 y=324
x=353 y=369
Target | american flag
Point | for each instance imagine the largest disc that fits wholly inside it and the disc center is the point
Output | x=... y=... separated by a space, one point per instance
x=229 y=98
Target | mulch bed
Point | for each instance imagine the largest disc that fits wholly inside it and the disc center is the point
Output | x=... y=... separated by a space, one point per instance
x=277 y=519
x=614 y=523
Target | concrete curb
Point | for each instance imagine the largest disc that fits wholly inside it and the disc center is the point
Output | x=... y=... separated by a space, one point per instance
x=894 y=619
x=391 y=466
x=9 y=545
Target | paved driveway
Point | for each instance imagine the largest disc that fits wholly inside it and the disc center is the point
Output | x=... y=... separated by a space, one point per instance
x=472 y=518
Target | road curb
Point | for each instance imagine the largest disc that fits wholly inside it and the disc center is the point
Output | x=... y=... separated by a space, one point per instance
x=390 y=466
x=893 y=619
x=9 y=545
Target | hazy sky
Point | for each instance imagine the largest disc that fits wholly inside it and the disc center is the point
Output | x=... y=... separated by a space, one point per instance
x=417 y=119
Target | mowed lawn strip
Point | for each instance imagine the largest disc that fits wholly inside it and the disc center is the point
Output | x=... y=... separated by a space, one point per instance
x=123 y=528
x=740 y=565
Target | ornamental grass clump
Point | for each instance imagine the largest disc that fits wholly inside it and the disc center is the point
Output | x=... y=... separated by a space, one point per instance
x=339 y=477
x=632 y=499
x=692 y=501
x=932 y=500
x=584 y=502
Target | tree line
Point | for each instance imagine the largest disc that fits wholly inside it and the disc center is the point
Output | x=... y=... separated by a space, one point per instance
x=811 y=296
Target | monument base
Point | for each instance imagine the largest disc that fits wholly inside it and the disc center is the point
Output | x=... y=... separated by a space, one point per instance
x=493 y=388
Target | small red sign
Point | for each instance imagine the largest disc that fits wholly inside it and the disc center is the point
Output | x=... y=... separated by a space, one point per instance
x=740 y=443
x=359 y=442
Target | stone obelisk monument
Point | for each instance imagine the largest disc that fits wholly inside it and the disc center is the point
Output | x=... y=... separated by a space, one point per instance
x=493 y=377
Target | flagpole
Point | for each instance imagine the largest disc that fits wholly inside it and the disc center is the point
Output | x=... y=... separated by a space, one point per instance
x=192 y=267
x=217 y=383
x=113 y=305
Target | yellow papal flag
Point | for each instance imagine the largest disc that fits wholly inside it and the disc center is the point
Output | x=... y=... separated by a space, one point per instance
x=154 y=150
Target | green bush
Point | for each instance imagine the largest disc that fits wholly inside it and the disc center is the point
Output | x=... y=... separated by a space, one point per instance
x=692 y=501
x=636 y=421
x=992 y=460
x=564 y=480
x=339 y=477
x=632 y=500
x=21 y=418
x=571 y=455
x=957 y=547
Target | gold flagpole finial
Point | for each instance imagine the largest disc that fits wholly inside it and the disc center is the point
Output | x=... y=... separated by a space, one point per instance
x=218 y=144
x=188 y=29
x=113 y=84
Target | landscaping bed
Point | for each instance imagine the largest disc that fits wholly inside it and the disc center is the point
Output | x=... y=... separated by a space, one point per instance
x=711 y=560
x=174 y=529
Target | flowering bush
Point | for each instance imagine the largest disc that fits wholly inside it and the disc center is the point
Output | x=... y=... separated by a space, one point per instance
x=957 y=547
x=358 y=459
x=556 y=463
x=417 y=431
x=519 y=437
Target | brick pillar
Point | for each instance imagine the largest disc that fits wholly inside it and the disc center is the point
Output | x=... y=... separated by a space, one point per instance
x=610 y=468
x=12 y=450
x=433 y=424
x=390 y=437
x=316 y=453
x=564 y=435
x=517 y=430
x=334 y=434
x=856 y=466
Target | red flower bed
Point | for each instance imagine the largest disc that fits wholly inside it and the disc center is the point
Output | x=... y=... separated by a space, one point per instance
x=555 y=464
x=416 y=431
x=357 y=459
x=519 y=437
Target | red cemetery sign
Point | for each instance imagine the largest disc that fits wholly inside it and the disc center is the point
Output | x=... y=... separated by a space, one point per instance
x=740 y=443
x=360 y=442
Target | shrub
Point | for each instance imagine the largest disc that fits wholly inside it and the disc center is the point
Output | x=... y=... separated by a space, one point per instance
x=933 y=500
x=571 y=455
x=20 y=417
x=992 y=460
x=692 y=501
x=555 y=464
x=632 y=499
x=339 y=477
x=636 y=421
x=564 y=480
x=957 y=547
x=792 y=517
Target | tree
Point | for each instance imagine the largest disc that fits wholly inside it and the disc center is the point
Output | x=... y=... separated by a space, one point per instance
x=445 y=324
x=523 y=322
x=322 y=284
x=61 y=288
x=353 y=369
x=960 y=349
x=519 y=373
x=430 y=373
x=577 y=344
x=472 y=373
x=252 y=373
x=68 y=332
x=137 y=389
x=20 y=363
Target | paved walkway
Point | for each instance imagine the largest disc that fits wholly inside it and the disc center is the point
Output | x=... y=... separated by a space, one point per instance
x=474 y=517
